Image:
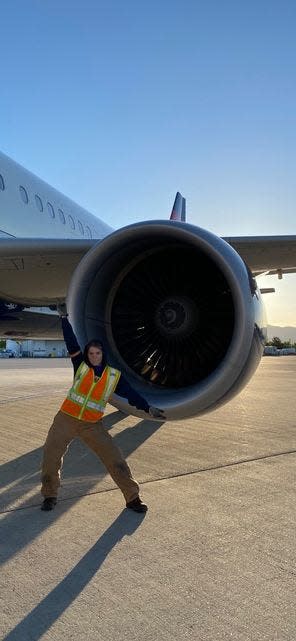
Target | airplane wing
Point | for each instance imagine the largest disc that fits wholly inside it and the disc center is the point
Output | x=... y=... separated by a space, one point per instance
x=38 y=271
x=266 y=254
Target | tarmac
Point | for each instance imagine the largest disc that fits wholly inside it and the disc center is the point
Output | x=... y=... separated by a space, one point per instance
x=212 y=560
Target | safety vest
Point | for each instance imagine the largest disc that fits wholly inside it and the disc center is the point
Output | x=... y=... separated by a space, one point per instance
x=87 y=398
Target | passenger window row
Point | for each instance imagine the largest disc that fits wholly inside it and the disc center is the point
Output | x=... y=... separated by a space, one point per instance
x=51 y=211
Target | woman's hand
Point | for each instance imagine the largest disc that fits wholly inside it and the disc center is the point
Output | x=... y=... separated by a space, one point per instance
x=62 y=309
x=155 y=412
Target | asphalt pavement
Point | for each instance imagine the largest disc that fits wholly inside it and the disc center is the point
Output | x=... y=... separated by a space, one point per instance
x=214 y=557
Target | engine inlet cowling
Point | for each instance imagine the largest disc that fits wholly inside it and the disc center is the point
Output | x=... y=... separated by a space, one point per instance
x=174 y=307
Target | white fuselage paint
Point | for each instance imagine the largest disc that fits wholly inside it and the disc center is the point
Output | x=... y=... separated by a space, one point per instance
x=20 y=219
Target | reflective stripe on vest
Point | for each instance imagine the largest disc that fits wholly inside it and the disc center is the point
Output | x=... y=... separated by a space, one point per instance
x=87 y=398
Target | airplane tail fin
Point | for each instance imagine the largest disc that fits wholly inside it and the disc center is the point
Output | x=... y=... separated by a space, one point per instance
x=179 y=208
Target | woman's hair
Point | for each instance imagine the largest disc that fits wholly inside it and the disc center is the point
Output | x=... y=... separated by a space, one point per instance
x=93 y=343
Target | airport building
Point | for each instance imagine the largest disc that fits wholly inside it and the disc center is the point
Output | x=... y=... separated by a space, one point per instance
x=37 y=348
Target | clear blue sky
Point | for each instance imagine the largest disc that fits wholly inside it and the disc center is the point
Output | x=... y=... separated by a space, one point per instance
x=120 y=104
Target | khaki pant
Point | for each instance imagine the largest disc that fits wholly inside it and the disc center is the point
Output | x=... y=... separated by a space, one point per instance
x=63 y=430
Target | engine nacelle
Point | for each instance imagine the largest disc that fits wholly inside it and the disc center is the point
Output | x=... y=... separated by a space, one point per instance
x=178 y=311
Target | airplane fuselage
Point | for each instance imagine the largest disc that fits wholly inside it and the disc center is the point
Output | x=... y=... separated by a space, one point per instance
x=30 y=208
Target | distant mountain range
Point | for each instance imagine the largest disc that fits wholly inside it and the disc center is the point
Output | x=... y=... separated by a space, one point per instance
x=284 y=333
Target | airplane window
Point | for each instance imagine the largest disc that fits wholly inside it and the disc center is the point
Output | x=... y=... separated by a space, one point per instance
x=80 y=228
x=2 y=186
x=88 y=232
x=38 y=202
x=71 y=221
x=24 y=195
x=50 y=210
x=62 y=216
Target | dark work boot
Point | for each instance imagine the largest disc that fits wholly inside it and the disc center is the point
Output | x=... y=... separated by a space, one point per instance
x=49 y=503
x=137 y=505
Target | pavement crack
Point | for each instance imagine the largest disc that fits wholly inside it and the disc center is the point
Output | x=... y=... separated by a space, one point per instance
x=223 y=465
x=212 y=468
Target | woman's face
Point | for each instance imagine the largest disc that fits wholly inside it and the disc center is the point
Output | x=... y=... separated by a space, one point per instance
x=95 y=355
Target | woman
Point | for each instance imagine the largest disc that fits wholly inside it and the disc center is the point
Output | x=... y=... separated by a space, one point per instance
x=80 y=416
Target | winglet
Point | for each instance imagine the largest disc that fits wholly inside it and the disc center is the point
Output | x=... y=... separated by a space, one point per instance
x=179 y=208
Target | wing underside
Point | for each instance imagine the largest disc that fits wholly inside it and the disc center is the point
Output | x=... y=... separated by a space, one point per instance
x=266 y=254
x=38 y=271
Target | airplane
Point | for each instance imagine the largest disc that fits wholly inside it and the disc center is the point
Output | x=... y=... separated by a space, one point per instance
x=178 y=308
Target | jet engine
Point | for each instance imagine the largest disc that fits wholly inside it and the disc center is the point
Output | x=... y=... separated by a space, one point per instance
x=178 y=311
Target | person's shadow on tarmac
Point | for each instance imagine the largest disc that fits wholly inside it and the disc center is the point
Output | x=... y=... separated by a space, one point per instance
x=39 y=620
x=81 y=472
